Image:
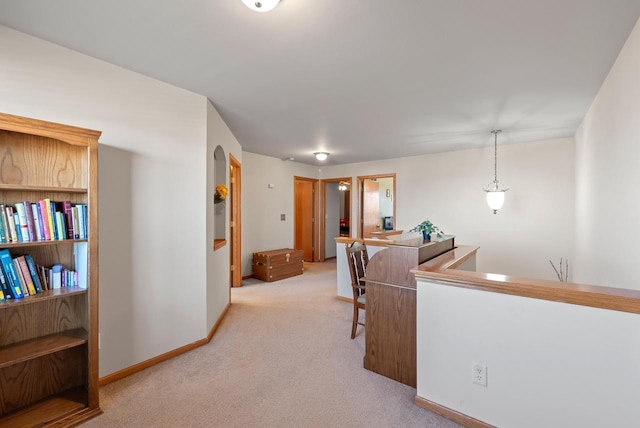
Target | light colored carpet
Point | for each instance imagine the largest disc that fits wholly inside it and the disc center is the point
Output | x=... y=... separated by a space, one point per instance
x=282 y=357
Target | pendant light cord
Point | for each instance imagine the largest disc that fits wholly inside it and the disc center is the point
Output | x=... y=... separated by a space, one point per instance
x=495 y=154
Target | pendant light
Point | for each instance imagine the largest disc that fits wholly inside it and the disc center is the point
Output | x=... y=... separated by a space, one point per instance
x=261 y=5
x=495 y=190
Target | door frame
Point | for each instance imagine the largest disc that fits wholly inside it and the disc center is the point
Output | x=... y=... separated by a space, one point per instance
x=360 y=179
x=315 y=213
x=235 y=253
x=323 y=210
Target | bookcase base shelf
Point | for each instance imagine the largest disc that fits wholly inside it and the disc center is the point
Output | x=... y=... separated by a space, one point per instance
x=69 y=408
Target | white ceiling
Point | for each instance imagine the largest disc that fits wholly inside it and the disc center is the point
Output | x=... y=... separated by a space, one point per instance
x=363 y=80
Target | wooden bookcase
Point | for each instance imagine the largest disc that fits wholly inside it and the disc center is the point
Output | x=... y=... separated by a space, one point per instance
x=49 y=342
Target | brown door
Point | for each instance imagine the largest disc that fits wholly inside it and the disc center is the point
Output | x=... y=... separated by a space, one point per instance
x=304 y=209
x=370 y=207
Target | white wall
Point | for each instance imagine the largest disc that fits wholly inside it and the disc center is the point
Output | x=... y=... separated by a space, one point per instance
x=262 y=228
x=333 y=198
x=218 y=134
x=534 y=226
x=608 y=177
x=549 y=364
x=153 y=190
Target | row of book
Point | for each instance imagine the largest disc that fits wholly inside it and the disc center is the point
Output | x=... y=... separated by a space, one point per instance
x=44 y=220
x=21 y=276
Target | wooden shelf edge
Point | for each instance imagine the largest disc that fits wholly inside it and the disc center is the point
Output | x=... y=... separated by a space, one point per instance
x=441 y=270
x=40 y=243
x=73 y=135
x=41 y=346
x=28 y=188
x=76 y=418
x=68 y=408
x=45 y=295
x=219 y=243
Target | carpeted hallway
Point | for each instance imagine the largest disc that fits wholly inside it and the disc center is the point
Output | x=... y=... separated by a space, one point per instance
x=282 y=357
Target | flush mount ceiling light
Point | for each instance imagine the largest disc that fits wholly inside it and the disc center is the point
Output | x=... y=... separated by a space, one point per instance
x=343 y=186
x=495 y=190
x=321 y=155
x=261 y=6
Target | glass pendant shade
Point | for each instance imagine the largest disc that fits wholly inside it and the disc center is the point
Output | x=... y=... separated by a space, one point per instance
x=495 y=196
x=321 y=155
x=262 y=5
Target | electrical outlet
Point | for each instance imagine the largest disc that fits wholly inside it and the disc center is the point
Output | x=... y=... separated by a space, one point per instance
x=479 y=374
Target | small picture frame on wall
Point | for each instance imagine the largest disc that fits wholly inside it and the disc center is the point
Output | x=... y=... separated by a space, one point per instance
x=388 y=193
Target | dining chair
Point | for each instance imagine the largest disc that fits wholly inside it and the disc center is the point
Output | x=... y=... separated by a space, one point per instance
x=358 y=259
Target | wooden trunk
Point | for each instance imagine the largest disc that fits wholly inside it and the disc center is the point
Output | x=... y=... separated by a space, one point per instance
x=277 y=264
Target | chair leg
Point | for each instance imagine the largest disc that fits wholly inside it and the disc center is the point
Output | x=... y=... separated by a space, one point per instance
x=355 y=321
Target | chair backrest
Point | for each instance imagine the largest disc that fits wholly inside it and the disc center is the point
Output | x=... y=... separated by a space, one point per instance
x=357 y=258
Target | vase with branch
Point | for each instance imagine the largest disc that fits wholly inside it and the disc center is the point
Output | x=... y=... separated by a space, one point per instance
x=562 y=271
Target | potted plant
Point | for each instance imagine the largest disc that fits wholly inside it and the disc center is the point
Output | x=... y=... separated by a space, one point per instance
x=427 y=228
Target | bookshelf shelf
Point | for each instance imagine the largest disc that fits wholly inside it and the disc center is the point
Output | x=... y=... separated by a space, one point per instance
x=40 y=243
x=49 y=340
x=22 y=188
x=45 y=295
x=35 y=348
x=52 y=409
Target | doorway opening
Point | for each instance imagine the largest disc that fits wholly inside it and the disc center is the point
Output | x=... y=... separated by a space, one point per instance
x=376 y=204
x=335 y=203
x=235 y=225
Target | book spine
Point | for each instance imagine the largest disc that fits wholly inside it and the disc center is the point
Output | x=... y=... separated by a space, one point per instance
x=42 y=211
x=48 y=215
x=76 y=224
x=12 y=224
x=85 y=216
x=8 y=295
x=33 y=271
x=16 y=222
x=5 y=223
x=82 y=217
x=10 y=274
x=54 y=227
x=66 y=210
x=3 y=237
x=44 y=279
x=59 y=226
x=24 y=225
x=23 y=284
x=36 y=223
x=24 y=270
x=31 y=227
